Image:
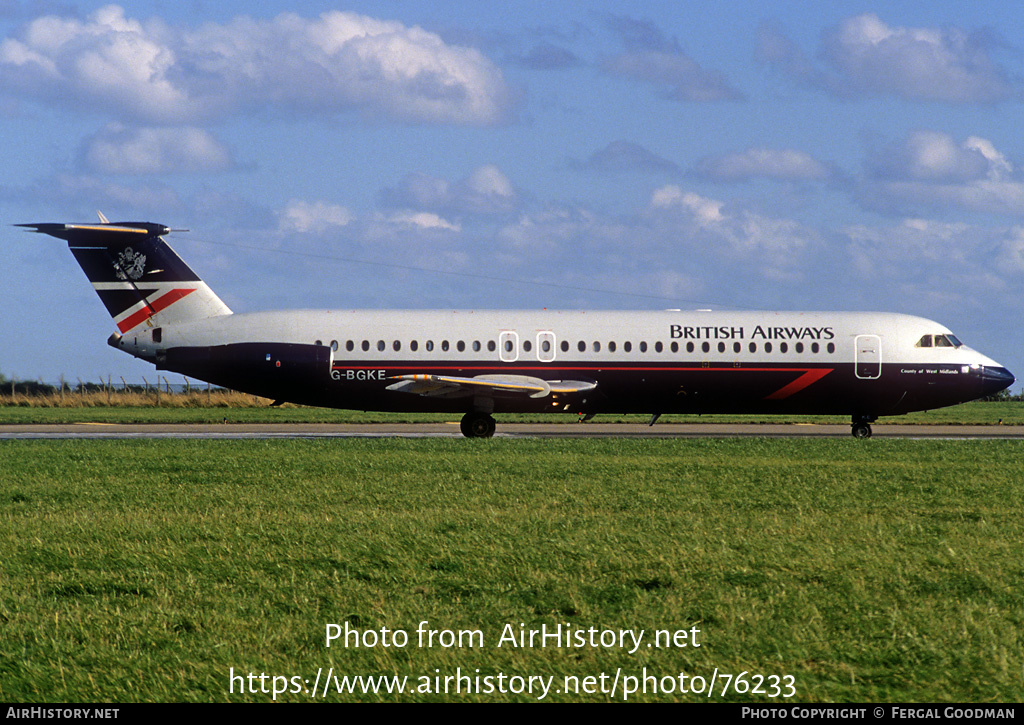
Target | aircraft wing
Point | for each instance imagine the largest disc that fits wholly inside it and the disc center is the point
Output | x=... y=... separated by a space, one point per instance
x=450 y=386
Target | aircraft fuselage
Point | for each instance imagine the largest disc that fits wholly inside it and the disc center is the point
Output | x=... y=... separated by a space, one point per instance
x=859 y=364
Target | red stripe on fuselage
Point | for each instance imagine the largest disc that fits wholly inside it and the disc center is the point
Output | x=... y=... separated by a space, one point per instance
x=160 y=303
x=807 y=379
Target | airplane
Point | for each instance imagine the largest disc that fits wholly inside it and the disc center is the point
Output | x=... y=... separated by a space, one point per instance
x=480 y=363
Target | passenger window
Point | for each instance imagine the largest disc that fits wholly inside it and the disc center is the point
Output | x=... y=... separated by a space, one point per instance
x=597 y=347
x=783 y=347
x=643 y=347
x=381 y=345
x=689 y=347
x=658 y=347
x=444 y=345
x=349 y=345
x=767 y=347
x=396 y=345
x=611 y=347
x=476 y=346
x=705 y=346
x=799 y=347
x=831 y=347
x=627 y=346
x=334 y=345
x=491 y=347
x=675 y=347
x=366 y=345
x=581 y=346
x=527 y=345
x=414 y=346
x=753 y=347
x=460 y=346
x=430 y=345
x=736 y=347
x=565 y=346
x=815 y=347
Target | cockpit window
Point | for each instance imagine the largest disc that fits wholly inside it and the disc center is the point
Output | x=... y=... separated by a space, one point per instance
x=939 y=341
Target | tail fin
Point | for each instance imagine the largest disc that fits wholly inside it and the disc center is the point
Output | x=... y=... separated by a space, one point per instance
x=137 y=275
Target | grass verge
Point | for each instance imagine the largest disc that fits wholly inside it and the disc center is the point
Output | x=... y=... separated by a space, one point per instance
x=147 y=570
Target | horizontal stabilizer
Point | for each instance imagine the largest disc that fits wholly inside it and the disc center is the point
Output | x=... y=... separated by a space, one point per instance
x=99 y=234
x=449 y=386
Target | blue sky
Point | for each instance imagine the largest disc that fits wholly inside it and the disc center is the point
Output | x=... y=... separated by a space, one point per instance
x=608 y=155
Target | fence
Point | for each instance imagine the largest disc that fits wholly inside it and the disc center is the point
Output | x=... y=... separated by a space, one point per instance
x=109 y=392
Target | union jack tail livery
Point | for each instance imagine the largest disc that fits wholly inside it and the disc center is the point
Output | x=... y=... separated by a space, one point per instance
x=142 y=282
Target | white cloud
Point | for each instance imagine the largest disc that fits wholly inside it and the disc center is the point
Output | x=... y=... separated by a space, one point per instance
x=777 y=247
x=932 y=156
x=108 y=60
x=556 y=232
x=782 y=164
x=1011 y=253
x=941 y=268
x=313 y=217
x=922 y=63
x=120 y=150
x=423 y=220
x=485 y=191
x=999 y=167
x=990 y=197
x=706 y=211
x=930 y=169
x=864 y=55
x=335 y=63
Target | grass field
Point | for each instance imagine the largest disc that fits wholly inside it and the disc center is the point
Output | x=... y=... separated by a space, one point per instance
x=146 y=570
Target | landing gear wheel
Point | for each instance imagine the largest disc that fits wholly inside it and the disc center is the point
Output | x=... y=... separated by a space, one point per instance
x=477 y=425
x=861 y=430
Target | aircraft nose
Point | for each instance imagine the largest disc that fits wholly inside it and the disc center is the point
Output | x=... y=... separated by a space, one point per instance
x=994 y=379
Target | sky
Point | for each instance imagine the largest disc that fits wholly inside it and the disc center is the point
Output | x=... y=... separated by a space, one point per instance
x=563 y=155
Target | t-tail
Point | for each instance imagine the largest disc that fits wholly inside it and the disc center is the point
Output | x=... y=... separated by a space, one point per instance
x=142 y=282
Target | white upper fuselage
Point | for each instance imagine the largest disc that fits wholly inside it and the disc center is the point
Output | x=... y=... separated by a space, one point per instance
x=549 y=336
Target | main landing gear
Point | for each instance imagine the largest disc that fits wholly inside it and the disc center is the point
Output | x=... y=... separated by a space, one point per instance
x=477 y=425
x=861 y=426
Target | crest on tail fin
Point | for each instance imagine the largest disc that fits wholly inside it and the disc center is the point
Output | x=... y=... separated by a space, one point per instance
x=130 y=264
x=138 y=277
